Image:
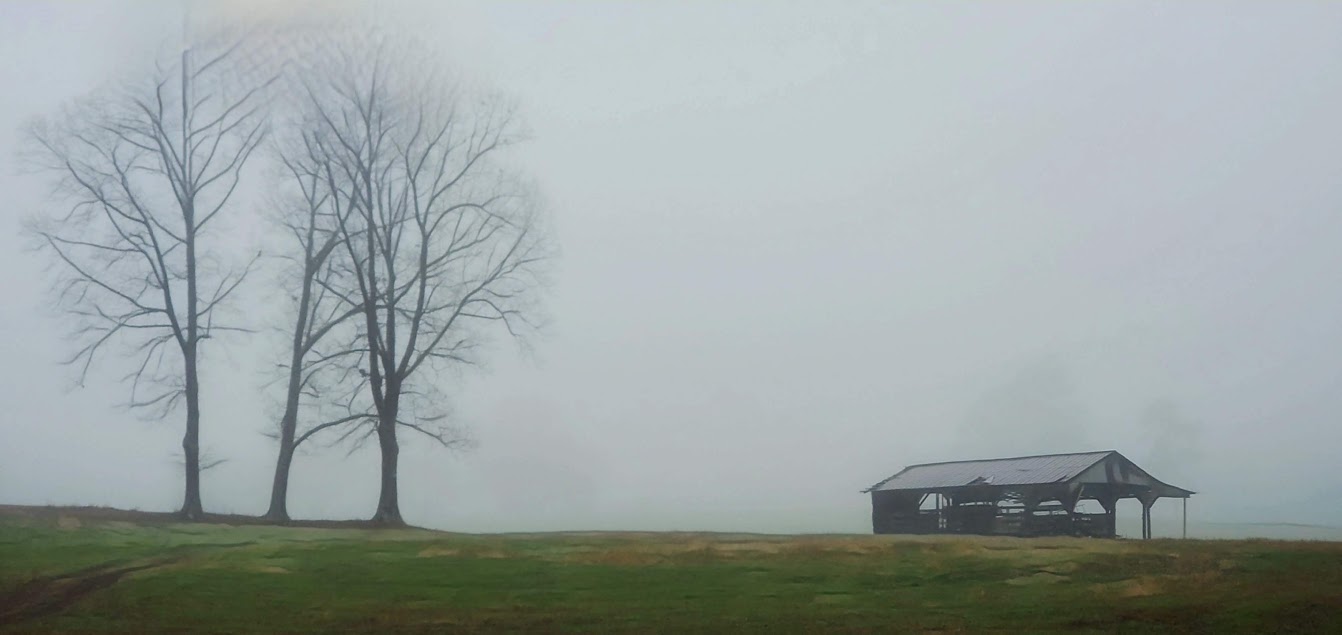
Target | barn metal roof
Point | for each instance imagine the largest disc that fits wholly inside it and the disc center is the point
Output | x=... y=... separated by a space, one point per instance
x=1024 y=470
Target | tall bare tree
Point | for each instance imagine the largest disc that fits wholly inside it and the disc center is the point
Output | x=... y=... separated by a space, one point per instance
x=441 y=241
x=312 y=215
x=147 y=170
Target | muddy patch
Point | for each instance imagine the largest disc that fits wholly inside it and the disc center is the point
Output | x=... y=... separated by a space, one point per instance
x=52 y=594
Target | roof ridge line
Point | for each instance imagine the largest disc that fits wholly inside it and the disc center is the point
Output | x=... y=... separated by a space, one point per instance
x=1012 y=458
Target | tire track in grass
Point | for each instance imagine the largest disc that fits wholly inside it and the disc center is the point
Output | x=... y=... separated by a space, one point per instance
x=48 y=595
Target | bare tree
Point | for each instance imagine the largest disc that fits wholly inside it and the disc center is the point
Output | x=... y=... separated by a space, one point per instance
x=441 y=241
x=312 y=217
x=147 y=172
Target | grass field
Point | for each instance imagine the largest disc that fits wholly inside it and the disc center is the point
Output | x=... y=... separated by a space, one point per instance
x=70 y=571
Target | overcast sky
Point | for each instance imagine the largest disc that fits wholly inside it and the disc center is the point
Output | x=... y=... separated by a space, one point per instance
x=804 y=245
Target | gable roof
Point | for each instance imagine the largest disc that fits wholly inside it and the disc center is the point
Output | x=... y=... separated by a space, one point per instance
x=1022 y=470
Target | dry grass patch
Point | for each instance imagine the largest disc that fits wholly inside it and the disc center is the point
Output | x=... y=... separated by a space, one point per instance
x=1137 y=587
x=1039 y=577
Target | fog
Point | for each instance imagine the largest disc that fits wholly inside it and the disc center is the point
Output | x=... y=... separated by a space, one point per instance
x=803 y=246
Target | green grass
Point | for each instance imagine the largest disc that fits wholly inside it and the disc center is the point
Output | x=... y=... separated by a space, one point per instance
x=213 y=578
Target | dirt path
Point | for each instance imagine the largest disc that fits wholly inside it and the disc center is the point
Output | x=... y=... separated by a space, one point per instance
x=52 y=594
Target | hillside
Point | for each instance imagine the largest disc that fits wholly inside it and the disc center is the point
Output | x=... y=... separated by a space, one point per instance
x=98 y=570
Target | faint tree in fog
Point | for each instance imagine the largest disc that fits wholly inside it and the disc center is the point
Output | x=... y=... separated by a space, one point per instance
x=146 y=170
x=441 y=242
x=1173 y=440
x=1038 y=409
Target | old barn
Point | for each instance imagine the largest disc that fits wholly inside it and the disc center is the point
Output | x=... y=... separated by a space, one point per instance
x=1020 y=496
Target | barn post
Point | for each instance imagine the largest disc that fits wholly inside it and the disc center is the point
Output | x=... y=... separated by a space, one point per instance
x=1110 y=504
x=1147 y=501
x=1185 y=517
x=1030 y=502
x=1069 y=499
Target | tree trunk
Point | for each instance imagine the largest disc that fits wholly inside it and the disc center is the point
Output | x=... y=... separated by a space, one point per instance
x=388 y=505
x=279 y=490
x=192 y=509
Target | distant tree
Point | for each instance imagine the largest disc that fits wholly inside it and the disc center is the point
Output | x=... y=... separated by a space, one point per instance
x=440 y=242
x=1173 y=441
x=146 y=170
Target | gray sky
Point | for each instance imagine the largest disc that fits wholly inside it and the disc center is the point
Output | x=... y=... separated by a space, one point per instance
x=804 y=245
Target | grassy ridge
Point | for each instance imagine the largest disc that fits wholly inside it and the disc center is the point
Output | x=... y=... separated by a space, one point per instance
x=215 y=578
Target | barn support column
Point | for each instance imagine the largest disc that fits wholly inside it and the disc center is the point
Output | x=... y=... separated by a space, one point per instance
x=1110 y=504
x=1185 y=517
x=1030 y=502
x=1147 y=501
x=1069 y=500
